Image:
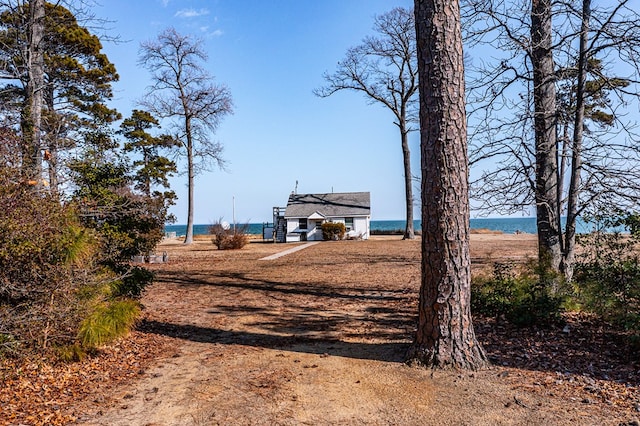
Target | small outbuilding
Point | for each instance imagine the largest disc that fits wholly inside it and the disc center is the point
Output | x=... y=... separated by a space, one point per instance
x=305 y=213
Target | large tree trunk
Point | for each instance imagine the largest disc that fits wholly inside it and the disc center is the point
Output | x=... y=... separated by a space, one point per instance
x=409 y=232
x=544 y=97
x=31 y=121
x=576 y=157
x=445 y=336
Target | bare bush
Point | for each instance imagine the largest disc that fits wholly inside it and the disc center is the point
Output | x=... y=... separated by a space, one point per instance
x=227 y=238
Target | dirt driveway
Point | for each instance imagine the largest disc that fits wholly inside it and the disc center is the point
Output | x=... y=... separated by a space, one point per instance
x=318 y=337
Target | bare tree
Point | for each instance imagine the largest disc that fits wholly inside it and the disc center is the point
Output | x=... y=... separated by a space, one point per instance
x=445 y=335
x=384 y=69
x=544 y=124
x=524 y=129
x=604 y=167
x=568 y=258
x=183 y=92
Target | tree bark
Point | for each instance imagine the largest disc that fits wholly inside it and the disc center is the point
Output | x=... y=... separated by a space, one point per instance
x=188 y=239
x=409 y=232
x=568 y=258
x=445 y=335
x=32 y=114
x=544 y=98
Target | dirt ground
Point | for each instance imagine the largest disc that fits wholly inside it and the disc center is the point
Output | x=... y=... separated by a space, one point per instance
x=318 y=337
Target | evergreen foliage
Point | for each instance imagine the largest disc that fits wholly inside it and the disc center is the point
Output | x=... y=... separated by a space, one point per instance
x=66 y=282
x=77 y=74
x=132 y=282
x=128 y=224
x=107 y=322
x=152 y=168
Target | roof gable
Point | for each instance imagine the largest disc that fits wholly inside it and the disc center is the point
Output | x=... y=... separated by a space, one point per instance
x=316 y=215
x=340 y=204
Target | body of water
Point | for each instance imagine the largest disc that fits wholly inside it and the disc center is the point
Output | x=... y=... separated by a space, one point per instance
x=509 y=225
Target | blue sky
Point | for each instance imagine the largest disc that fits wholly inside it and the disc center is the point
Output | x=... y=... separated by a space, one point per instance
x=271 y=55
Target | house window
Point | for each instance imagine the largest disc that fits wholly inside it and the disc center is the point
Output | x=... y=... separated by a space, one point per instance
x=302 y=223
x=318 y=224
x=348 y=223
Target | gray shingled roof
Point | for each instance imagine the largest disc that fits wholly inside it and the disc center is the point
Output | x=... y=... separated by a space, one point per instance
x=341 y=204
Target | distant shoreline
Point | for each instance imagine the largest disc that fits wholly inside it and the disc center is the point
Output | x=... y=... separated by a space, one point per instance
x=510 y=225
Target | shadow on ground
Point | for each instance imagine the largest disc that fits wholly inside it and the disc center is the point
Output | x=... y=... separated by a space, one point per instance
x=354 y=319
x=390 y=352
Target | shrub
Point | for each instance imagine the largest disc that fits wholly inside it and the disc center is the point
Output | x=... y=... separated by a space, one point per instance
x=127 y=223
x=226 y=238
x=387 y=232
x=333 y=230
x=50 y=276
x=46 y=256
x=64 y=266
x=107 y=322
x=133 y=280
x=523 y=299
x=607 y=272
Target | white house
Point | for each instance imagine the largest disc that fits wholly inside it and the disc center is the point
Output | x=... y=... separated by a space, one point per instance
x=305 y=214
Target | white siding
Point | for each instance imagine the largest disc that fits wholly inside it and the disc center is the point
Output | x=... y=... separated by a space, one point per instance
x=292 y=225
x=293 y=238
x=362 y=224
x=292 y=228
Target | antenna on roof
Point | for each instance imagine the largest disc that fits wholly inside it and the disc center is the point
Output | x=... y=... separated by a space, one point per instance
x=296 y=190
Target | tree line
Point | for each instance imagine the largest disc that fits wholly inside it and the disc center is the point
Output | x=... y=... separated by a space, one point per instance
x=84 y=190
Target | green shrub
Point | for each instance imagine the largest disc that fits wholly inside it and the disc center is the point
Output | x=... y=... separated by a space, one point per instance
x=127 y=223
x=64 y=265
x=107 y=322
x=333 y=230
x=611 y=290
x=607 y=272
x=226 y=238
x=523 y=299
x=132 y=283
